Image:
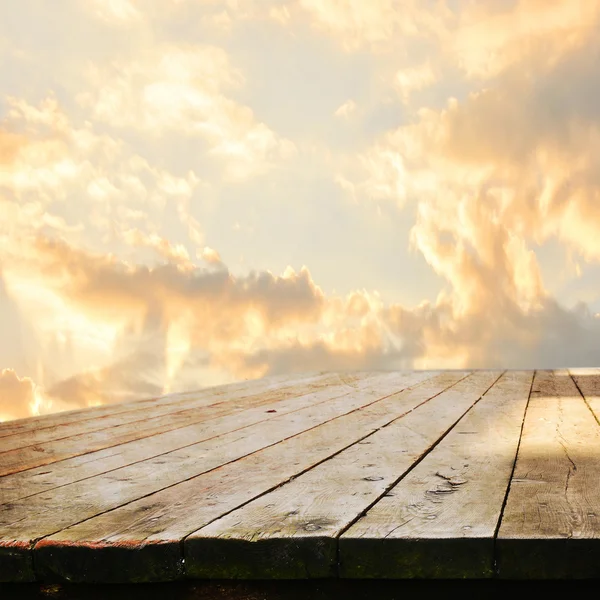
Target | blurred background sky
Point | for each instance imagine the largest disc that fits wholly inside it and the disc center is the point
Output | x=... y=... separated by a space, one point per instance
x=195 y=192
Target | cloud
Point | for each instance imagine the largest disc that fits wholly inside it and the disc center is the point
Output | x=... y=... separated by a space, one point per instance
x=10 y=145
x=375 y=25
x=17 y=396
x=526 y=145
x=281 y=14
x=346 y=109
x=149 y=312
x=115 y=11
x=110 y=291
x=170 y=321
x=412 y=79
x=221 y=21
x=68 y=178
x=182 y=89
x=135 y=370
x=210 y=255
x=173 y=253
x=489 y=178
x=18 y=342
x=488 y=38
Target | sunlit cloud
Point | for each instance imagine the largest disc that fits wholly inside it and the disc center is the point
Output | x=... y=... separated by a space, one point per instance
x=115 y=11
x=375 y=25
x=346 y=109
x=20 y=397
x=167 y=222
x=183 y=90
x=412 y=79
x=490 y=37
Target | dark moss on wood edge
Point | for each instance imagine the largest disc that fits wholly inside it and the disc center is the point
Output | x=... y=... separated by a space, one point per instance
x=16 y=564
x=274 y=558
x=389 y=558
x=558 y=558
x=108 y=562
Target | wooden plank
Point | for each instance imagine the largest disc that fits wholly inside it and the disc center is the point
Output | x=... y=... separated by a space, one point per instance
x=25 y=521
x=42 y=454
x=169 y=405
x=206 y=424
x=42 y=428
x=291 y=532
x=588 y=383
x=239 y=390
x=81 y=414
x=551 y=522
x=149 y=531
x=439 y=521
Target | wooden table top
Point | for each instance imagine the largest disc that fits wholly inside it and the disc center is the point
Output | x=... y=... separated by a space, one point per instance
x=353 y=475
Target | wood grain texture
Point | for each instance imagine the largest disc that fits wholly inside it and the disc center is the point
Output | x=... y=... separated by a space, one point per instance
x=159 y=521
x=37 y=423
x=551 y=522
x=44 y=514
x=40 y=455
x=588 y=384
x=32 y=446
x=207 y=423
x=292 y=531
x=439 y=521
x=347 y=475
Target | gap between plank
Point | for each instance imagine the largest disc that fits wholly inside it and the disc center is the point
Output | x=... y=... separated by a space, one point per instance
x=126 y=412
x=44 y=491
x=289 y=479
x=584 y=398
x=25 y=421
x=494 y=555
x=37 y=540
x=417 y=462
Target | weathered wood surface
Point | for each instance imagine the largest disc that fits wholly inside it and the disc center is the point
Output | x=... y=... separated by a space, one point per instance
x=231 y=415
x=44 y=514
x=226 y=392
x=553 y=509
x=35 y=448
x=291 y=532
x=452 y=474
x=162 y=519
x=440 y=520
x=207 y=423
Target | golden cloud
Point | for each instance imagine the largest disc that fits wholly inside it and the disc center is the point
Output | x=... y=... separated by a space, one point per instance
x=346 y=109
x=17 y=396
x=488 y=178
x=488 y=38
x=10 y=146
x=170 y=324
x=377 y=25
x=182 y=89
x=114 y=11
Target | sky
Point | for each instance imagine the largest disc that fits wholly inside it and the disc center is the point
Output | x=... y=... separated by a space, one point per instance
x=197 y=192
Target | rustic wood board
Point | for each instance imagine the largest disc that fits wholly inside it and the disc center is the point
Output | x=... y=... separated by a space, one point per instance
x=339 y=475
x=292 y=531
x=551 y=522
x=439 y=521
x=149 y=530
x=83 y=414
x=25 y=521
x=184 y=407
x=209 y=422
x=588 y=384
x=40 y=455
